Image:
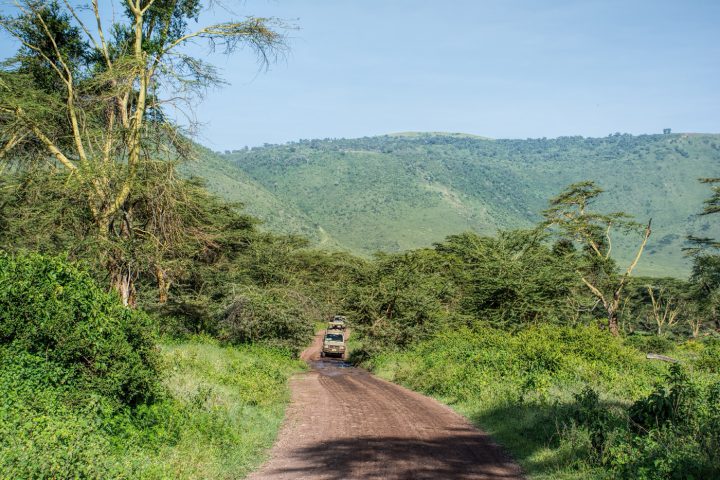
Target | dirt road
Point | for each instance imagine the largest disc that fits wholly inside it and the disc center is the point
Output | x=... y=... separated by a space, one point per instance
x=344 y=423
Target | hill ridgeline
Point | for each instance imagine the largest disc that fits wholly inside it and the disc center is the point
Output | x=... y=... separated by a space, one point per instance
x=402 y=191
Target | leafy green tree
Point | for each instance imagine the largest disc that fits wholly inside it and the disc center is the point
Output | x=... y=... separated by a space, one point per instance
x=705 y=289
x=712 y=206
x=570 y=214
x=174 y=230
x=705 y=276
x=89 y=100
x=401 y=298
x=512 y=279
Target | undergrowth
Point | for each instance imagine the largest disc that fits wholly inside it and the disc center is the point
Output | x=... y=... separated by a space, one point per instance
x=221 y=409
x=572 y=402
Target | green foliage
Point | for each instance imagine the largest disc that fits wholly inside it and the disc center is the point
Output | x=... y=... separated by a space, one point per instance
x=513 y=278
x=42 y=433
x=703 y=244
x=705 y=288
x=512 y=281
x=709 y=359
x=668 y=404
x=650 y=343
x=712 y=204
x=392 y=193
x=267 y=316
x=221 y=410
x=676 y=432
x=528 y=361
x=50 y=307
x=44 y=213
x=670 y=301
x=400 y=299
x=570 y=402
x=588 y=412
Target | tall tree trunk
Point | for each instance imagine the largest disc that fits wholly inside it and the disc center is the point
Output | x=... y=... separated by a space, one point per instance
x=613 y=323
x=163 y=284
x=121 y=277
x=122 y=282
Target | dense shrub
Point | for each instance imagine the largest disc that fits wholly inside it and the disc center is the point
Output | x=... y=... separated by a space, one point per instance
x=650 y=343
x=709 y=358
x=42 y=434
x=468 y=364
x=590 y=414
x=222 y=408
x=269 y=316
x=50 y=307
x=674 y=432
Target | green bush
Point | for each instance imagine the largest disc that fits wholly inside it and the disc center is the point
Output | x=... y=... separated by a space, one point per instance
x=271 y=316
x=709 y=359
x=466 y=364
x=650 y=343
x=50 y=307
x=674 y=432
x=221 y=410
x=588 y=412
x=42 y=433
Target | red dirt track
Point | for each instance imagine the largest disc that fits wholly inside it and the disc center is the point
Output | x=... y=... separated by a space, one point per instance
x=344 y=423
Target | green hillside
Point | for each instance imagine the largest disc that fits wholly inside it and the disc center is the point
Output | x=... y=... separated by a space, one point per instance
x=233 y=184
x=403 y=191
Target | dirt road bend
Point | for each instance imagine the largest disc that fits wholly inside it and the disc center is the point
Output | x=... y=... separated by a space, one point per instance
x=344 y=423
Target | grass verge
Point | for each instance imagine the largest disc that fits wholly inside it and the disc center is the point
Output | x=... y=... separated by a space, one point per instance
x=529 y=390
x=220 y=412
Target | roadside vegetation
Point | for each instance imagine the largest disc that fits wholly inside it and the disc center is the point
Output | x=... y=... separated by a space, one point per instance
x=89 y=390
x=541 y=338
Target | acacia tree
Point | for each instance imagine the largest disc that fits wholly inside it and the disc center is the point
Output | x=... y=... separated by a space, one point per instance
x=665 y=309
x=705 y=276
x=86 y=96
x=569 y=212
x=703 y=245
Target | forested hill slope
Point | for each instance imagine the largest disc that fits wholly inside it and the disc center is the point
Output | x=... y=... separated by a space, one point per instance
x=408 y=190
x=233 y=184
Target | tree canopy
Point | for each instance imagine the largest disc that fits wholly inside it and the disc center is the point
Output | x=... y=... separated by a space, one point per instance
x=86 y=97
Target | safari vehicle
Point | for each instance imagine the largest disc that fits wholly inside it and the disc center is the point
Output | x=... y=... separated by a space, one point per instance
x=333 y=344
x=337 y=323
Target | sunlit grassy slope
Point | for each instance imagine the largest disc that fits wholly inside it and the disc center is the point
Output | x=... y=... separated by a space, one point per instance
x=408 y=190
x=233 y=184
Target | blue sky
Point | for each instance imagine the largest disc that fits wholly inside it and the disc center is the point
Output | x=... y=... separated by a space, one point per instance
x=503 y=69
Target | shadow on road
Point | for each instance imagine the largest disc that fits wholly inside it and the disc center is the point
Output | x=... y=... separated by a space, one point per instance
x=454 y=456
